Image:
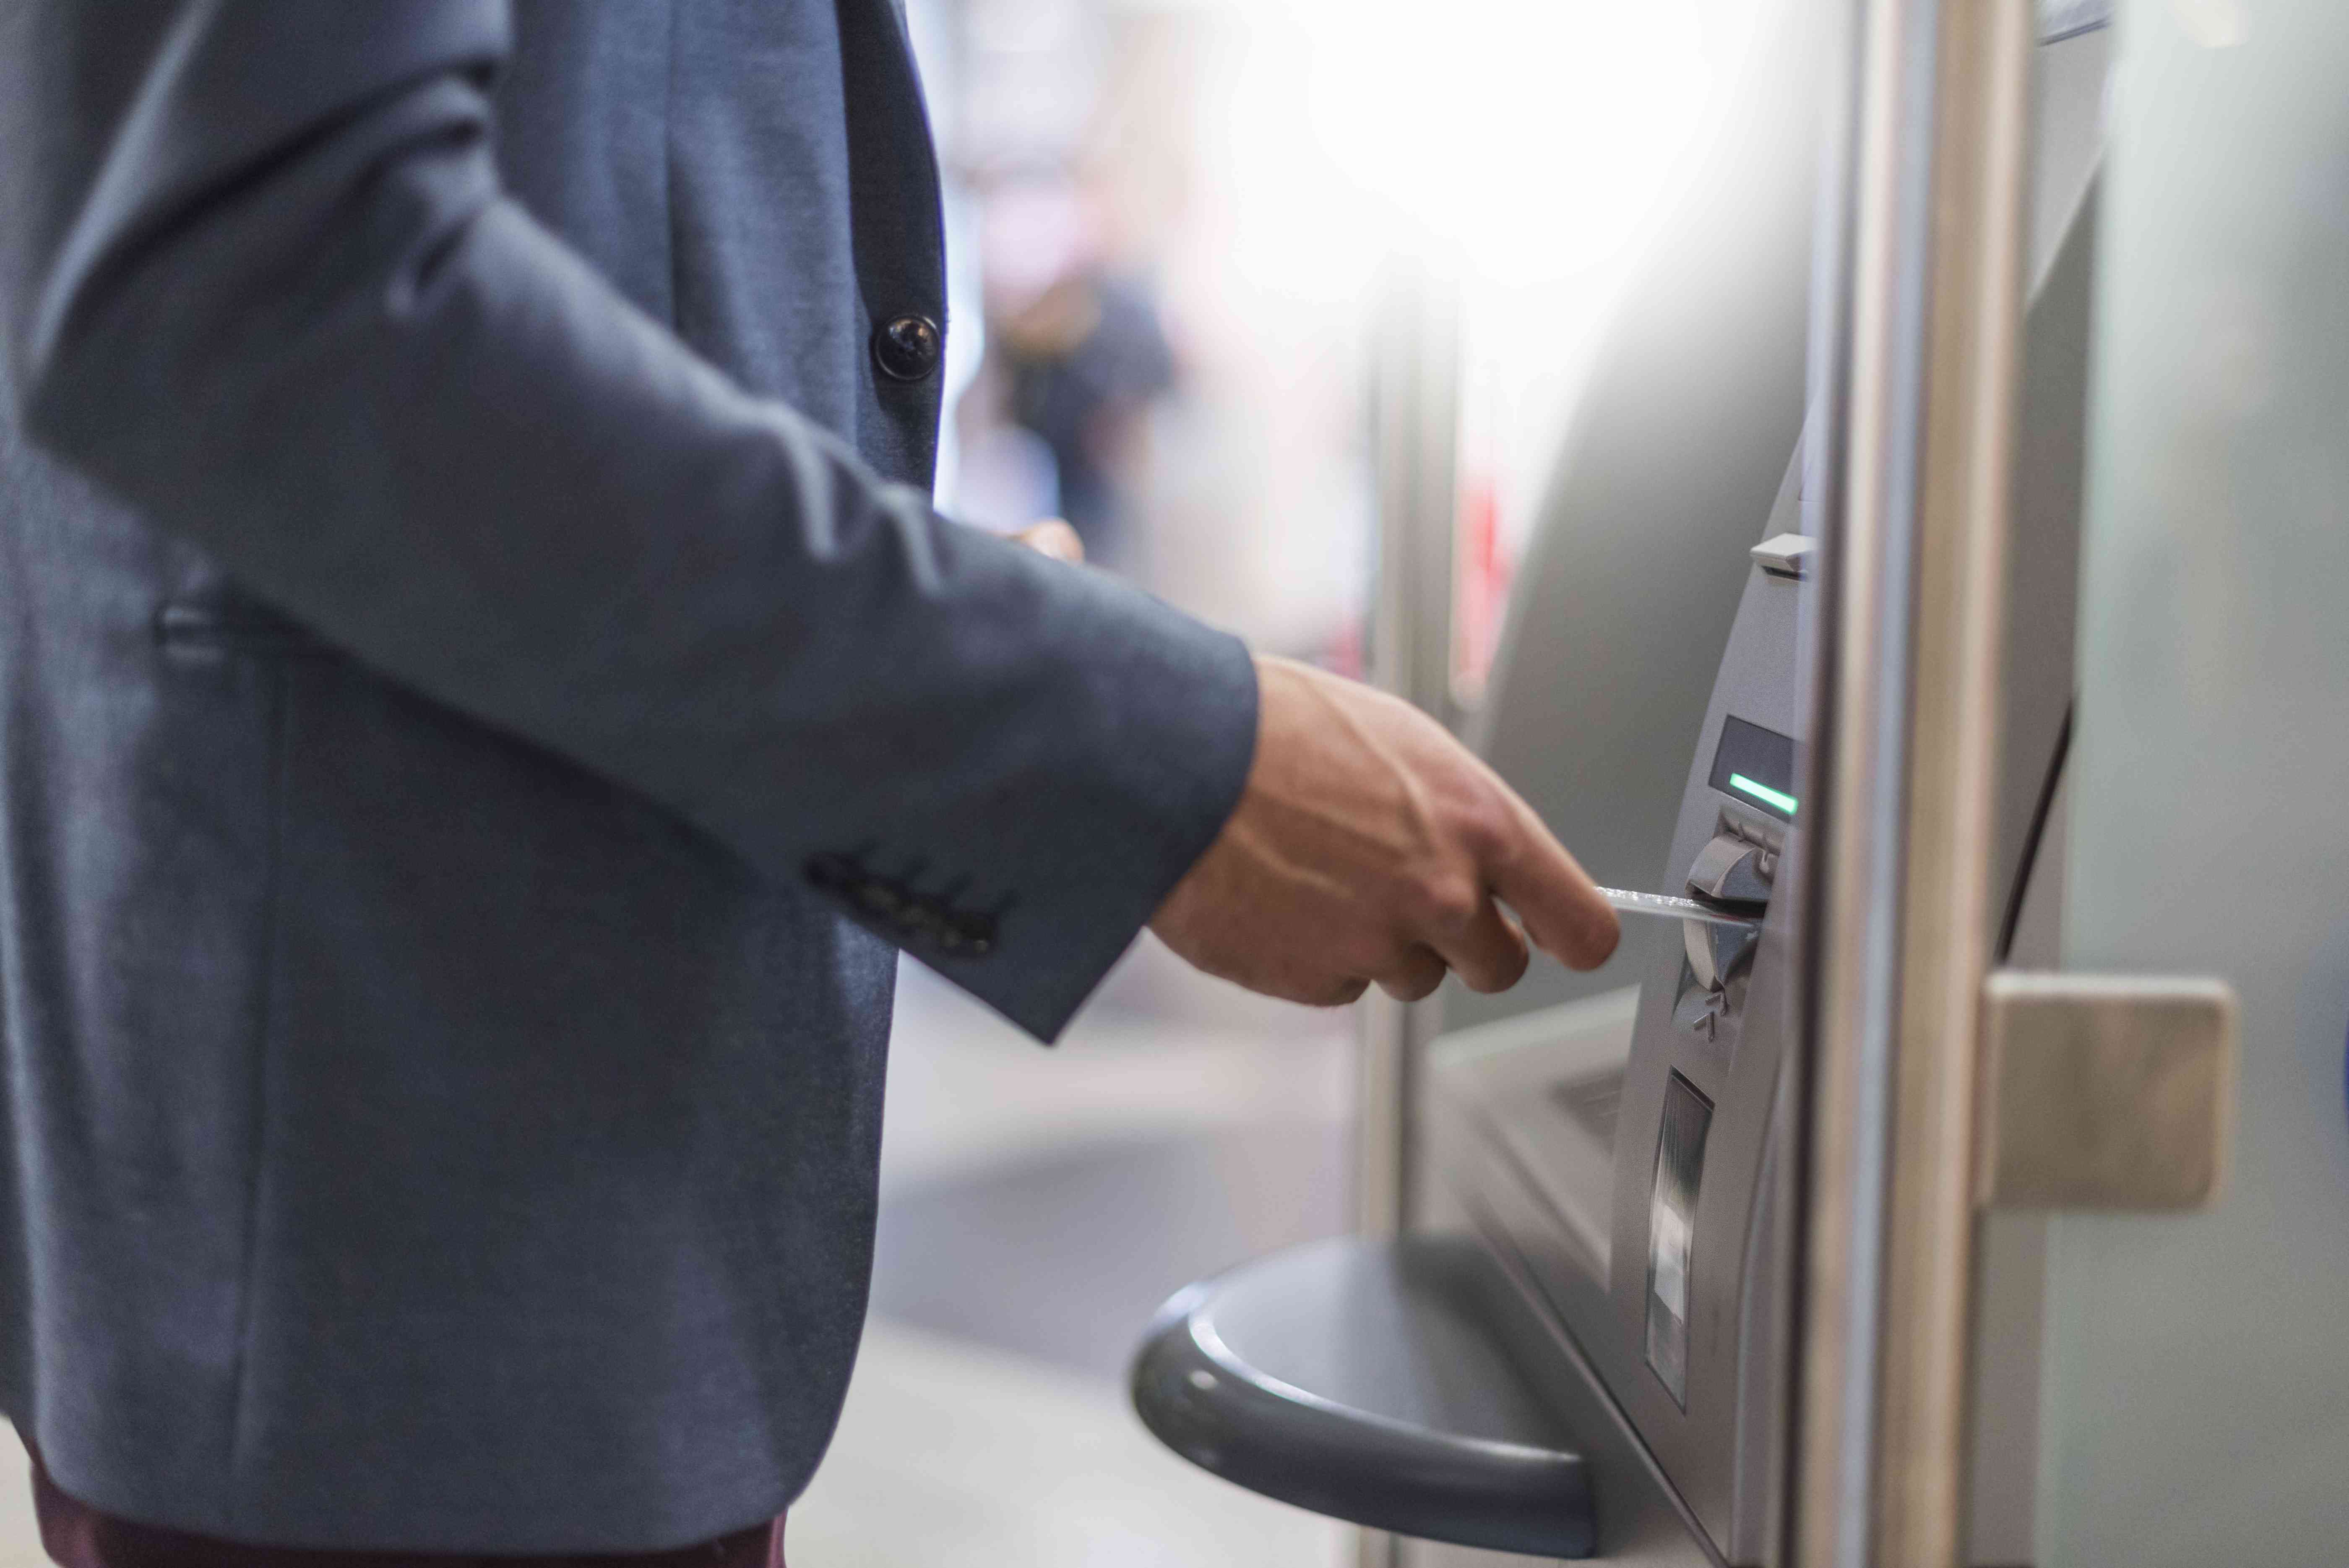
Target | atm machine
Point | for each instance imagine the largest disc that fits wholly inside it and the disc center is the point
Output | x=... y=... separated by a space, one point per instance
x=1569 y=1353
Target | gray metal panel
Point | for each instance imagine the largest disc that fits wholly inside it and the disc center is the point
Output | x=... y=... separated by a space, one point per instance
x=2043 y=544
x=1620 y=609
x=2197 y=1405
x=1699 y=1446
x=1623 y=603
x=1602 y=593
x=2068 y=18
x=1640 y=1520
x=1361 y=1378
x=1737 y=1066
x=2067 y=106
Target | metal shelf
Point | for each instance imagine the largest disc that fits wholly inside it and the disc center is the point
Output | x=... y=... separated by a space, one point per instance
x=1361 y=1378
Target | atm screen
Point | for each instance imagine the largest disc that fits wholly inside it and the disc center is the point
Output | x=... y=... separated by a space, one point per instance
x=1755 y=765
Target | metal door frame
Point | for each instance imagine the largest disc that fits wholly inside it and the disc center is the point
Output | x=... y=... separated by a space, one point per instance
x=1921 y=310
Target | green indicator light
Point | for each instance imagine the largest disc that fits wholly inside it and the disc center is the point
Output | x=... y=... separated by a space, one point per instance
x=1763 y=793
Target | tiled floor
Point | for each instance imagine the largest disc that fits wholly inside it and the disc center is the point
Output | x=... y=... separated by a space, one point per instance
x=1037 y=1205
x=1036 y=1208
x=950 y=1456
x=20 y=1540
x=1045 y=1202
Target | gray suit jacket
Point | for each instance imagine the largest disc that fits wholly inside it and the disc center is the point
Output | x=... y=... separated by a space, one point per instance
x=470 y=625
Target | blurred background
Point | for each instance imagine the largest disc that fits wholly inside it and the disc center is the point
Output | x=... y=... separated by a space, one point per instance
x=1185 y=237
x=1219 y=270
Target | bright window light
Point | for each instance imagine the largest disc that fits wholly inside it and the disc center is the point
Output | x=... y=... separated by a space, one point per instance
x=1534 y=135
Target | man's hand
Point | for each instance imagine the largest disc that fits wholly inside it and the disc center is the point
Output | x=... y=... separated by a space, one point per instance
x=1369 y=846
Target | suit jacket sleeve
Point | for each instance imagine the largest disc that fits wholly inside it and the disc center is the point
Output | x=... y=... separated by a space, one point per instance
x=293 y=318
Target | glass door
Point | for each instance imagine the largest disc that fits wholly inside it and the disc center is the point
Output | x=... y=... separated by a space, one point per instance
x=2196 y=1382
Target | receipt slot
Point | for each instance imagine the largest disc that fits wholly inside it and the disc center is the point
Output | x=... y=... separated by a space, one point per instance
x=1733 y=871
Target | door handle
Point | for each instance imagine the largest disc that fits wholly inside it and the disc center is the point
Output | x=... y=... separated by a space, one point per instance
x=2111 y=1092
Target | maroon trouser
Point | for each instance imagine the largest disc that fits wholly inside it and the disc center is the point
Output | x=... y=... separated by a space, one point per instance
x=78 y=1536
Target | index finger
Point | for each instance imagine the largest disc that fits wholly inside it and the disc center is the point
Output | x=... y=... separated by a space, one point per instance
x=1560 y=906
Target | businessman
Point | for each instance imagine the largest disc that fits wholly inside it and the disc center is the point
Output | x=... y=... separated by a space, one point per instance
x=484 y=700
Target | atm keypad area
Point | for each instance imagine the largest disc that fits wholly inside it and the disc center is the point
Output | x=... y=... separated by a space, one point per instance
x=1735 y=870
x=1614 y=1151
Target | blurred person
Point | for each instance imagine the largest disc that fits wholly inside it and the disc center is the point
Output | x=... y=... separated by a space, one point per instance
x=1084 y=358
x=484 y=699
x=1077 y=348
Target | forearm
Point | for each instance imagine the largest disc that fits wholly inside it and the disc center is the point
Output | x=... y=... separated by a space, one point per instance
x=313 y=337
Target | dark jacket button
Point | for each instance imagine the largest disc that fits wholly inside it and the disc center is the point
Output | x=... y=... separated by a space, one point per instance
x=908 y=348
x=977 y=934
